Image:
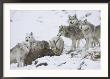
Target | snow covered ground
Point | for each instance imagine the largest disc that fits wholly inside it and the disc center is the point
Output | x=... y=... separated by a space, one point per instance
x=45 y=25
x=65 y=61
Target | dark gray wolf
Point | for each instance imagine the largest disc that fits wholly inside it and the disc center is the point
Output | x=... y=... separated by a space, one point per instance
x=74 y=33
x=38 y=49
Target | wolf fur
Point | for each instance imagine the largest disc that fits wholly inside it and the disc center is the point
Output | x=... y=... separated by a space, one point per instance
x=74 y=33
x=57 y=45
x=73 y=20
x=88 y=31
x=86 y=27
x=38 y=49
x=18 y=53
x=96 y=37
x=29 y=38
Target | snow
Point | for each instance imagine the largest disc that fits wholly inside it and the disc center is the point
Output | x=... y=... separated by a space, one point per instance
x=64 y=61
x=45 y=25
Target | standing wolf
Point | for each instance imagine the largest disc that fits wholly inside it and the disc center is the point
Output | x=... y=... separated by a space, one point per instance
x=86 y=27
x=88 y=31
x=74 y=33
x=96 y=37
x=73 y=20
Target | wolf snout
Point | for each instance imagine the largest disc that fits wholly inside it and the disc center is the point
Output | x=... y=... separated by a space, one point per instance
x=26 y=40
x=58 y=34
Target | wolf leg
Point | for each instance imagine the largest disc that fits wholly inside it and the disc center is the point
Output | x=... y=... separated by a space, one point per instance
x=87 y=43
x=78 y=42
x=73 y=47
x=18 y=61
x=91 y=42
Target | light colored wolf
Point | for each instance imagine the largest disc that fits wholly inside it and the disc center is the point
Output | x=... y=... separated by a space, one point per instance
x=57 y=45
x=21 y=50
x=88 y=31
x=30 y=38
x=18 y=53
x=74 y=33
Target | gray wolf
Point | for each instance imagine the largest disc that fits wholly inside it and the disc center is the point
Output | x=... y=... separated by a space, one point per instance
x=18 y=54
x=96 y=37
x=57 y=45
x=73 y=20
x=74 y=33
x=88 y=31
x=38 y=49
x=93 y=33
x=86 y=27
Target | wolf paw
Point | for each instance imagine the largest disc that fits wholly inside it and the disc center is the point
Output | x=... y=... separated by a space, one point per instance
x=69 y=51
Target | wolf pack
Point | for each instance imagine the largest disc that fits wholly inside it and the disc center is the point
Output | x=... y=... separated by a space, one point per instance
x=25 y=52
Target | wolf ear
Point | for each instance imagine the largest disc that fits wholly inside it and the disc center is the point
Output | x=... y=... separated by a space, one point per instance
x=26 y=34
x=31 y=33
x=61 y=26
x=69 y=16
x=85 y=20
x=75 y=16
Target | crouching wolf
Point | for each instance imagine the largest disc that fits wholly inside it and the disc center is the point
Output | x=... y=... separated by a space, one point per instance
x=57 y=45
x=18 y=54
x=38 y=49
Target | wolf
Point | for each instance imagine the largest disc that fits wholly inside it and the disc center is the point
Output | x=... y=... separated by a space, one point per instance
x=88 y=31
x=73 y=20
x=74 y=33
x=93 y=32
x=18 y=53
x=38 y=49
x=96 y=37
x=29 y=38
x=57 y=45
x=86 y=27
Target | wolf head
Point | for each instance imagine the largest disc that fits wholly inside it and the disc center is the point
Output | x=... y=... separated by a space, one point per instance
x=24 y=47
x=72 y=20
x=63 y=31
x=29 y=37
x=20 y=47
